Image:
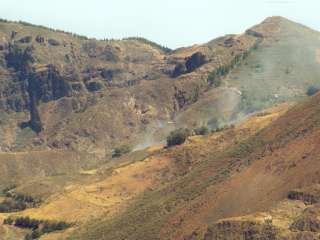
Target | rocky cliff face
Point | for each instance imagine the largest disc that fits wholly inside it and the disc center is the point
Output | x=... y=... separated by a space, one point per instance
x=35 y=83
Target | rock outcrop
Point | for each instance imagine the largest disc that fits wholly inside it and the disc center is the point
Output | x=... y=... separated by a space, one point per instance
x=254 y=33
x=35 y=121
x=195 y=61
x=190 y=64
x=179 y=69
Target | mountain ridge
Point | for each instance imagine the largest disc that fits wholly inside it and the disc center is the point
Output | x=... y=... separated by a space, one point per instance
x=84 y=75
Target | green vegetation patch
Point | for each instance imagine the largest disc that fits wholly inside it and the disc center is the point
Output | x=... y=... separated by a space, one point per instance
x=203 y=130
x=178 y=137
x=122 y=150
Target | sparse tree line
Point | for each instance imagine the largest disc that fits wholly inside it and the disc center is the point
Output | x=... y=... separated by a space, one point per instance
x=121 y=150
x=38 y=227
x=46 y=28
x=215 y=77
x=151 y=43
x=82 y=37
x=15 y=202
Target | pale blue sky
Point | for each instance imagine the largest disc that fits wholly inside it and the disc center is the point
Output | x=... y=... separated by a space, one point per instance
x=174 y=23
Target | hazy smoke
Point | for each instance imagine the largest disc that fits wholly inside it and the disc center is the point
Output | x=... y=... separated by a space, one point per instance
x=211 y=111
x=155 y=134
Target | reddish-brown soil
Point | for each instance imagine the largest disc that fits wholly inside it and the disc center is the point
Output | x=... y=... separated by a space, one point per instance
x=287 y=159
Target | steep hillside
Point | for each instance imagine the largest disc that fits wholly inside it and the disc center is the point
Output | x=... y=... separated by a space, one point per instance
x=281 y=66
x=250 y=176
x=294 y=218
x=65 y=91
x=285 y=64
x=108 y=191
x=54 y=78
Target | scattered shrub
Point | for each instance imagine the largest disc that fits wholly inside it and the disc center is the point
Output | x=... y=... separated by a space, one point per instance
x=17 y=202
x=19 y=58
x=8 y=221
x=312 y=90
x=53 y=42
x=9 y=205
x=26 y=222
x=9 y=188
x=94 y=86
x=214 y=80
x=204 y=130
x=119 y=151
x=268 y=221
x=40 y=39
x=26 y=39
x=223 y=128
x=178 y=137
x=34 y=235
x=54 y=226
